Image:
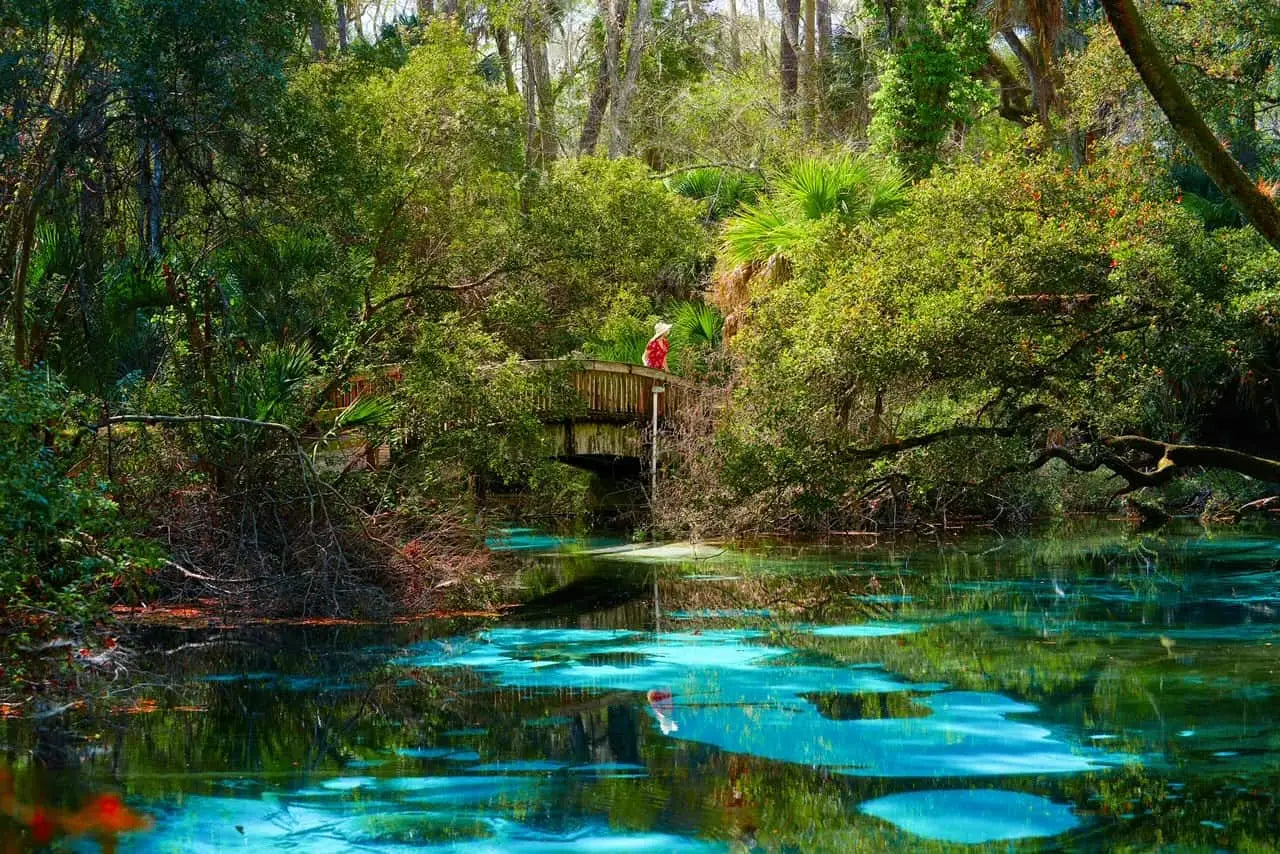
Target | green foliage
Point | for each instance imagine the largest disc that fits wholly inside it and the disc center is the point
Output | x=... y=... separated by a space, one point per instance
x=697 y=324
x=846 y=189
x=930 y=86
x=64 y=547
x=997 y=291
x=596 y=229
x=722 y=191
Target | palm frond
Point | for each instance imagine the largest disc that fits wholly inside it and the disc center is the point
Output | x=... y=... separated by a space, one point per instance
x=819 y=188
x=723 y=191
x=276 y=381
x=368 y=410
x=762 y=231
x=626 y=345
x=697 y=324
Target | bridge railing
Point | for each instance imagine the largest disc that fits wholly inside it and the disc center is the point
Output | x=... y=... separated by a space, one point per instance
x=618 y=390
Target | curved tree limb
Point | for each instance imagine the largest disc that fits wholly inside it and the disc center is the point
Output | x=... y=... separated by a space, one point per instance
x=1258 y=208
x=888 y=449
x=1163 y=461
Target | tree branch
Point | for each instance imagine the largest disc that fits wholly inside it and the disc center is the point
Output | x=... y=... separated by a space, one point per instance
x=888 y=449
x=1258 y=208
x=199 y=419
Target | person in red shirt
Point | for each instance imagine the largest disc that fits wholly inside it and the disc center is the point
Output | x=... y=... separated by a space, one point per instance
x=655 y=352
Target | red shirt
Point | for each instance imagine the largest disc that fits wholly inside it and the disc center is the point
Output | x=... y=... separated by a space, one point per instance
x=655 y=354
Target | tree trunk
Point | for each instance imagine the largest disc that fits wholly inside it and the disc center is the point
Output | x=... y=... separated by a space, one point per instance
x=809 y=68
x=23 y=269
x=1234 y=182
x=539 y=98
x=1042 y=91
x=824 y=32
x=503 y=37
x=342 y=25
x=319 y=41
x=788 y=65
x=547 y=131
x=532 y=145
x=763 y=21
x=426 y=8
x=619 y=138
x=155 y=211
x=735 y=44
x=613 y=15
x=144 y=192
x=1013 y=94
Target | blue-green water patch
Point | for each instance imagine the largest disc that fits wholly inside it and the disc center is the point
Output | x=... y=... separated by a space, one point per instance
x=973 y=816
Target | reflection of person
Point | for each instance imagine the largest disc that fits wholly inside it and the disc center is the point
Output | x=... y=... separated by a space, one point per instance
x=663 y=708
x=655 y=352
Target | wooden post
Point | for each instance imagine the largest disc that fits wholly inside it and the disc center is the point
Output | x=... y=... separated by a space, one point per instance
x=653 y=449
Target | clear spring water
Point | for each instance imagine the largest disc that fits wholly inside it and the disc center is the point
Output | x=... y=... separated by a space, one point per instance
x=1091 y=689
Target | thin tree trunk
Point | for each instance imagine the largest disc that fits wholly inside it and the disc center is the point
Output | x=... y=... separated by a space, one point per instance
x=808 y=68
x=144 y=192
x=532 y=146
x=23 y=269
x=787 y=58
x=319 y=41
x=619 y=132
x=155 y=211
x=426 y=8
x=1042 y=92
x=503 y=37
x=342 y=25
x=1213 y=157
x=735 y=44
x=613 y=17
x=824 y=32
x=547 y=131
x=538 y=97
x=764 y=32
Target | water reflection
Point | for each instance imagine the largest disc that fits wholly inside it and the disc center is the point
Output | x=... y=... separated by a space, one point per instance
x=726 y=688
x=1095 y=691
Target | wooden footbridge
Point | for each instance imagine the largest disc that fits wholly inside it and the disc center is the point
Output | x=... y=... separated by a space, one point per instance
x=621 y=404
x=598 y=415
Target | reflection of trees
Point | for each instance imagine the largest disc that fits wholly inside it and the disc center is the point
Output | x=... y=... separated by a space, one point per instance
x=1021 y=621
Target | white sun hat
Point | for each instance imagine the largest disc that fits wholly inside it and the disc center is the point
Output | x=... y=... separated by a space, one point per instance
x=660 y=329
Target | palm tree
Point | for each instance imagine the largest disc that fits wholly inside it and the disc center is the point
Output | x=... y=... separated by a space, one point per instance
x=758 y=243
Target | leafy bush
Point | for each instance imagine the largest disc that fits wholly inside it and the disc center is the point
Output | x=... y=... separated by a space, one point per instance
x=63 y=543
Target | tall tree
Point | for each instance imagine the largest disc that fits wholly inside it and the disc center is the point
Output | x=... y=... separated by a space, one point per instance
x=502 y=36
x=612 y=16
x=619 y=137
x=788 y=59
x=809 y=67
x=825 y=33
x=343 y=21
x=735 y=44
x=541 y=134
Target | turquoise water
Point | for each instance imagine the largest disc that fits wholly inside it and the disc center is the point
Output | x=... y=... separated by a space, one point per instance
x=1092 y=689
